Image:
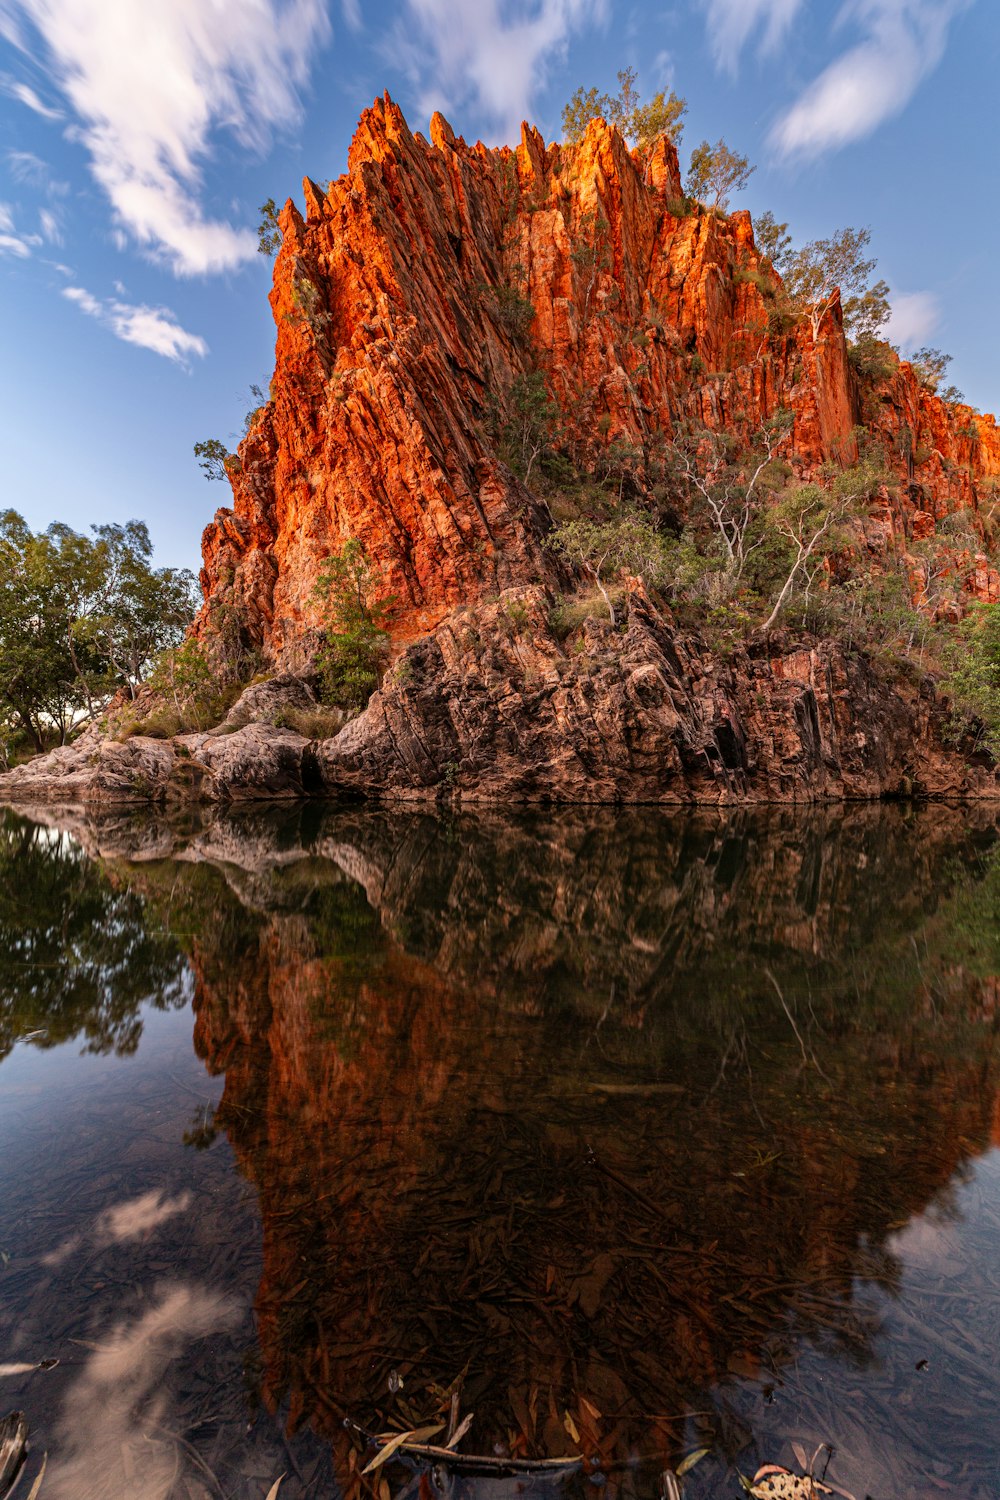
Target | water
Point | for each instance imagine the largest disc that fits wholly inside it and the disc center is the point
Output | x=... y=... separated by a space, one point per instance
x=658 y=1133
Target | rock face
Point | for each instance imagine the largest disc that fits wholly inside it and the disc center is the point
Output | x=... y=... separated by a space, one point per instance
x=431 y=276
x=419 y=289
x=492 y=707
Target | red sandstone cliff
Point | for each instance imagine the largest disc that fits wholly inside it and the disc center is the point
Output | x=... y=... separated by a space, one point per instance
x=398 y=308
x=421 y=285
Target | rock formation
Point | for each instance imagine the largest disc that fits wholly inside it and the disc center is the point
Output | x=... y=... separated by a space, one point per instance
x=424 y=281
x=419 y=289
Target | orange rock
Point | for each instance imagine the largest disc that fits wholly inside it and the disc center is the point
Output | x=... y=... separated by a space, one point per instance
x=397 y=302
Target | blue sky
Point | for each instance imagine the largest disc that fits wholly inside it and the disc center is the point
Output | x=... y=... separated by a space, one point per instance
x=138 y=137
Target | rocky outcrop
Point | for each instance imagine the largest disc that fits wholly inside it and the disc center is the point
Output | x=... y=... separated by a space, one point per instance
x=494 y=707
x=418 y=290
x=423 y=282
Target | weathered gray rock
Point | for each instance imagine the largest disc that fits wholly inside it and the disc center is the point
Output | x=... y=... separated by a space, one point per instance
x=267 y=702
x=494 y=706
x=258 y=761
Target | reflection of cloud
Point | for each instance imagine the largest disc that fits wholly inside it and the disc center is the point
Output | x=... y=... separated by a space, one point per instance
x=139 y=1215
x=112 y=1435
x=123 y=1221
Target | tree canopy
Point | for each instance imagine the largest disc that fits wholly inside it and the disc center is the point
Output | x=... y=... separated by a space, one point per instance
x=716 y=172
x=817 y=271
x=80 y=617
x=639 y=123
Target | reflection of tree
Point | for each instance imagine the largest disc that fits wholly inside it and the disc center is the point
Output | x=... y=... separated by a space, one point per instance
x=604 y=1109
x=77 y=956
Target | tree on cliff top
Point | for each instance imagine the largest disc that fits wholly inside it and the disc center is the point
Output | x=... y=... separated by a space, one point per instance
x=715 y=172
x=814 y=274
x=639 y=123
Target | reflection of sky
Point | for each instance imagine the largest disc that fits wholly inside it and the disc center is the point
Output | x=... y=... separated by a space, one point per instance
x=40 y=1086
x=105 y=1447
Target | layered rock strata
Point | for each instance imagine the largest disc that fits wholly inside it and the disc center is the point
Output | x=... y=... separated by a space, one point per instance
x=419 y=288
x=493 y=707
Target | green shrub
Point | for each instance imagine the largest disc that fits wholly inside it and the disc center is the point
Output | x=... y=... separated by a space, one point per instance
x=569 y=613
x=748 y=276
x=514 y=312
x=356 y=645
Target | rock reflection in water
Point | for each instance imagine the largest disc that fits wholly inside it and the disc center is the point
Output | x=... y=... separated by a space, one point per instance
x=616 y=1117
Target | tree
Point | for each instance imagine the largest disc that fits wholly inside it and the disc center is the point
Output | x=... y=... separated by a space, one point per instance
x=137 y=611
x=214 y=458
x=355 y=613
x=974 y=680
x=815 y=274
x=730 y=482
x=810 y=518
x=38 y=679
x=774 y=240
x=628 y=543
x=639 y=123
x=79 y=617
x=715 y=172
x=268 y=230
x=531 y=425
x=929 y=366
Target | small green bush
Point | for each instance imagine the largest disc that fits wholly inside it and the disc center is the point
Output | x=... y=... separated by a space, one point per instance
x=356 y=646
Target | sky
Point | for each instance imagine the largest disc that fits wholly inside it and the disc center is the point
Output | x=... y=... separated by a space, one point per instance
x=139 y=137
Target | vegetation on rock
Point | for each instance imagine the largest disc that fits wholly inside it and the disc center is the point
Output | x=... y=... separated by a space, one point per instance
x=639 y=123
x=355 y=612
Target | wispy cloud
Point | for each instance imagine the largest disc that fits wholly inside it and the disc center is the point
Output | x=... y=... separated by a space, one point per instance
x=50 y=225
x=26 y=95
x=914 y=317
x=901 y=42
x=148 y=85
x=11 y=242
x=154 y=328
x=491 y=55
x=732 y=23
x=26 y=167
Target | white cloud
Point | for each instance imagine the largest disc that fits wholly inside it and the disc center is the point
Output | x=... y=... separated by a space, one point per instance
x=731 y=23
x=51 y=228
x=11 y=245
x=902 y=41
x=26 y=95
x=154 y=328
x=26 y=167
x=491 y=55
x=914 y=317
x=149 y=84
x=352 y=14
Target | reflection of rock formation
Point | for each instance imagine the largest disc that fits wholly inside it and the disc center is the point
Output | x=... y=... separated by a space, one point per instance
x=597 y=1107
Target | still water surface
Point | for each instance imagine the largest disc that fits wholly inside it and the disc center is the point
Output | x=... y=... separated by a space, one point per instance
x=659 y=1133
